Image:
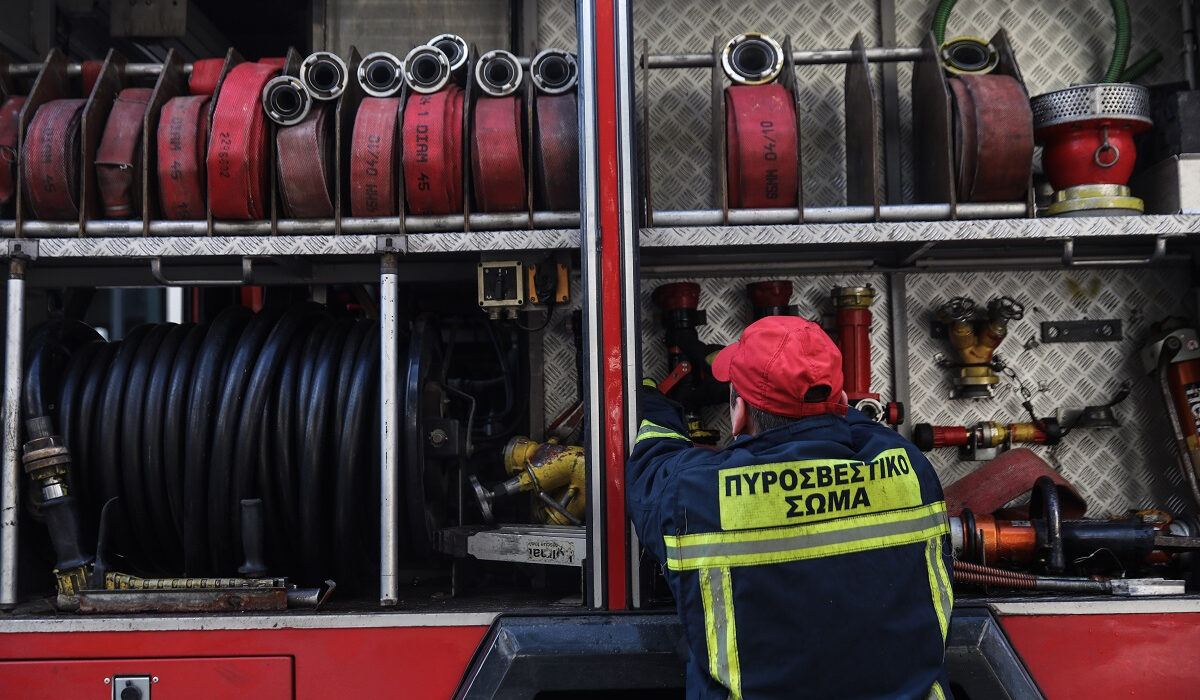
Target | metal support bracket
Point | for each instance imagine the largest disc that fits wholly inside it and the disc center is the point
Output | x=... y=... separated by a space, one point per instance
x=1069 y=259
x=21 y=248
x=156 y=269
x=392 y=243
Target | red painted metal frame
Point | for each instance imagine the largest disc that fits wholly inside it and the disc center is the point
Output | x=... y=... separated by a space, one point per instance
x=616 y=524
x=1094 y=657
x=375 y=662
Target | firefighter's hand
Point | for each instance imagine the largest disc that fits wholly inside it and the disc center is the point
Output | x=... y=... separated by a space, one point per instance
x=649 y=383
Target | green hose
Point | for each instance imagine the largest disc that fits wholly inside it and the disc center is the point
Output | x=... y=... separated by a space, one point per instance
x=1120 y=52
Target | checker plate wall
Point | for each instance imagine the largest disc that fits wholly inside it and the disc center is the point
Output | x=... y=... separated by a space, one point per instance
x=728 y=310
x=1131 y=466
x=1056 y=44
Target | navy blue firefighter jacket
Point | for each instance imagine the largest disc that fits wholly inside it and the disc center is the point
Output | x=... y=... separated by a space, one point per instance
x=807 y=561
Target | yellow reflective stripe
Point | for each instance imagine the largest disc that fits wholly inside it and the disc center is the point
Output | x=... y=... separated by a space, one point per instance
x=649 y=430
x=935 y=693
x=716 y=591
x=735 y=666
x=710 y=623
x=811 y=541
x=947 y=585
x=942 y=600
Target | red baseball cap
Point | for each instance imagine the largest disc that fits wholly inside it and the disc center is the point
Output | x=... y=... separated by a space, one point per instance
x=775 y=363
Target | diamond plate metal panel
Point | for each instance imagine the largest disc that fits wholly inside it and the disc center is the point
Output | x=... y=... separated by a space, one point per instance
x=921 y=231
x=548 y=239
x=1129 y=467
x=255 y=246
x=561 y=379
x=729 y=312
x=1056 y=44
x=680 y=115
x=556 y=25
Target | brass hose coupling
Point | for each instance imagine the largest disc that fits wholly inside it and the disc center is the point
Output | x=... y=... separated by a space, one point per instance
x=975 y=341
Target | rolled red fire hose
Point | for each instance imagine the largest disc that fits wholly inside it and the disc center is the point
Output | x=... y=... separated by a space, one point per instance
x=89 y=72
x=373 y=157
x=205 y=74
x=304 y=153
x=497 y=159
x=237 y=164
x=50 y=160
x=10 y=112
x=182 y=145
x=993 y=138
x=432 y=151
x=119 y=157
x=761 y=143
x=556 y=152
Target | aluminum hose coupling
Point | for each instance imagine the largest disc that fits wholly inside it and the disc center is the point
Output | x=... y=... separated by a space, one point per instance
x=554 y=71
x=752 y=58
x=455 y=48
x=498 y=73
x=325 y=75
x=426 y=69
x=381 y=74
x=285 y=100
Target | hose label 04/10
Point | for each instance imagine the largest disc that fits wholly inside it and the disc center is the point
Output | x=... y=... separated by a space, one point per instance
x=789 y=493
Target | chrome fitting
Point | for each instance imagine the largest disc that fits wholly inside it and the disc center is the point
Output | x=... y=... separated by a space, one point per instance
x=285 y=100
x=498 y=73
x=381 y=74
x=324 y=74
x=752 y=59
x=554 y=71
x=426 y=69
x=455 y=48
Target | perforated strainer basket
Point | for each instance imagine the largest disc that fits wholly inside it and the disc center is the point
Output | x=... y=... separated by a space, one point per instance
x=1087 y=102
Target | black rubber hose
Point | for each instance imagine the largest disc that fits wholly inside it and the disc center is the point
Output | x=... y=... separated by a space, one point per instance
x=80 y=437
x=261 y=383
x=175 y=425
x=155 y=466
x=209 y=375
x=315 y=479
x=354 y=472
x=133 y=491
x=222 y=508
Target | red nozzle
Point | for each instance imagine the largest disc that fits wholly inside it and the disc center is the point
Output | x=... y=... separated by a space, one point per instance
x=768 y=294
x=677 y=295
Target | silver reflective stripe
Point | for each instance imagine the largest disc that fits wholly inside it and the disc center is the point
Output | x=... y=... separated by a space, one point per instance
x=716 y=577
x=806 y=541
x=939 y=584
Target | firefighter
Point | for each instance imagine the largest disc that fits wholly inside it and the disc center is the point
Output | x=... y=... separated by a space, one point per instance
x=808 y=558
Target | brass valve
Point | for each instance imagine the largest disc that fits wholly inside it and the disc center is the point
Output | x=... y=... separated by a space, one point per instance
x=975 y=342
x=555 y=474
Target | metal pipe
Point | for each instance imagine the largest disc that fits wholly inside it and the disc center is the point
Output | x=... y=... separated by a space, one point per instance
x=891 y=54
x=448 y=223
x=832 y=215
x=10 y=477
x=389 y=468
x=132 y=70
x=752 y=269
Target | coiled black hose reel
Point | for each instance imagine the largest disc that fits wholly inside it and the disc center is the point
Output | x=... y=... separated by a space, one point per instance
x=182 y=422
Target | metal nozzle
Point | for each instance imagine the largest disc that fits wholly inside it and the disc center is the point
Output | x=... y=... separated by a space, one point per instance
x=498 y=73
x=285 y=100
x=324 y=74
x=554 y=71
x=969 y=54
x=752 y=59
x=381 y=74
x=426 y=69
x=455 y=48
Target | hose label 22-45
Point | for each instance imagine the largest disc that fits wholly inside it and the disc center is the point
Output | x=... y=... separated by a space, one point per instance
x=788 y=493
